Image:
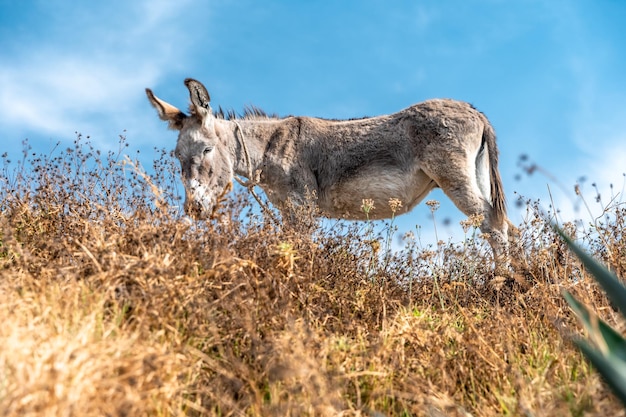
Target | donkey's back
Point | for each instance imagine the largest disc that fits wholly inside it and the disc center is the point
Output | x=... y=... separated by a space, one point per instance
x=403 y=156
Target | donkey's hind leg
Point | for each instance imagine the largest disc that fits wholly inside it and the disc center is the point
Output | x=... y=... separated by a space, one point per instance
x=462 y=188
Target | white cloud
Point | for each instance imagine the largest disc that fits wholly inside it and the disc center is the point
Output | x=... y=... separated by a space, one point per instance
x=90 y=77
x=608 y=166
x=68 y=89
x=598 y=173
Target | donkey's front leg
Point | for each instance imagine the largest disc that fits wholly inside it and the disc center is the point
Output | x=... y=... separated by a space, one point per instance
x=300 y=210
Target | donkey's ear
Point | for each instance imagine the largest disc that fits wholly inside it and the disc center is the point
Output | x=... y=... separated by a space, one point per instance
x=199 y=96
x=166 y=111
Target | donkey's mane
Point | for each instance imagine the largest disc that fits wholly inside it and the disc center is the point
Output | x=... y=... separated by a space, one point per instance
x=255 y=113
x=249 y=113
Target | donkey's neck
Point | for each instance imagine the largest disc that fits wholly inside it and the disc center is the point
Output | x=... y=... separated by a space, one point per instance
x=249 y=139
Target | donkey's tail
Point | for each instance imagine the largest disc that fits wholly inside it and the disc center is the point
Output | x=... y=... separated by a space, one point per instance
x=498 y=200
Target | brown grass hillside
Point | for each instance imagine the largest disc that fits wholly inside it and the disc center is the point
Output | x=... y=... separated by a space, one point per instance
x=113 y=304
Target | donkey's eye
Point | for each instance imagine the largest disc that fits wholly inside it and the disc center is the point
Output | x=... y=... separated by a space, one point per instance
x=207 y=150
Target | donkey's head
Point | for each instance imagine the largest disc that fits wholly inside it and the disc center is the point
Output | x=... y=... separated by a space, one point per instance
x=205 y=161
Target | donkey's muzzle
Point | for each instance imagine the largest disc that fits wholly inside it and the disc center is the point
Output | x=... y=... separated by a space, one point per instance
x=199 y=202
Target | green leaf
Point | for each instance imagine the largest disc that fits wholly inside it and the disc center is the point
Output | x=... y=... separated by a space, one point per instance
x=615 y=290
x=613 y=370
x=600 y=332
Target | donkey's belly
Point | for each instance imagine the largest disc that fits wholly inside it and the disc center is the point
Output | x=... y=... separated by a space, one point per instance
x=349 y=198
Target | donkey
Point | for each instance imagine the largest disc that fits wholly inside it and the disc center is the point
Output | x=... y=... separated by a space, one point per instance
x=342 y=163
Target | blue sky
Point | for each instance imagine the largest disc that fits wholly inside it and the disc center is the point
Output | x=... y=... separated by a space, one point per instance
x=548 y=74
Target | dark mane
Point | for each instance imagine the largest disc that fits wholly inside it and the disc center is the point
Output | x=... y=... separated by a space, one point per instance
x=249 y=112
x=252 y=112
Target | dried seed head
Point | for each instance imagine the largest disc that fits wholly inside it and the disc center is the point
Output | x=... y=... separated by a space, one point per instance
x=395 y=204
x=475 y=220
x=367 y=205
x=433 y=204
x=375 y=245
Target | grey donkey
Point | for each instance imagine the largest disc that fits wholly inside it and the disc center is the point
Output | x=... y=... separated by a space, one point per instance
x=342 y=163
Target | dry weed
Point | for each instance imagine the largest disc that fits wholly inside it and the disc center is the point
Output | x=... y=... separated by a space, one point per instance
x=113 y=303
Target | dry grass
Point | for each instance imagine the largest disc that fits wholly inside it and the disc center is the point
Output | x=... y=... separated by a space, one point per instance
x=114 y=304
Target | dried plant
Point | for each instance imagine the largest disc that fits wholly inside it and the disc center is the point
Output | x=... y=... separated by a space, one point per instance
x=114 y=303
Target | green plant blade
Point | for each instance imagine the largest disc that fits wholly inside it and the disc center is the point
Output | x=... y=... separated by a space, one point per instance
x=597 y=328
x=615 y=290
x=613 y=370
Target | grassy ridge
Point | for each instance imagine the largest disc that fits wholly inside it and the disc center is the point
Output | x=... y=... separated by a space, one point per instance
x=114 y=304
